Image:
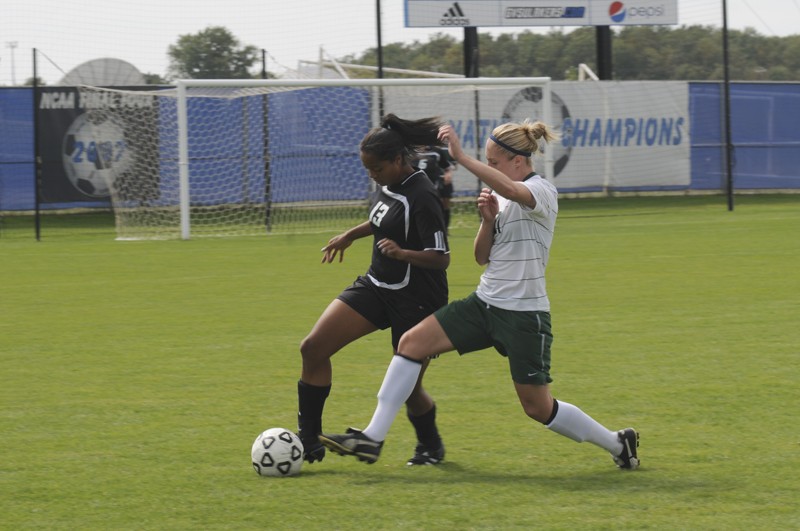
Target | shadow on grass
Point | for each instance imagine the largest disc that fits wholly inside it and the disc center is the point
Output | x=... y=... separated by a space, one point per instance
x=607 y=480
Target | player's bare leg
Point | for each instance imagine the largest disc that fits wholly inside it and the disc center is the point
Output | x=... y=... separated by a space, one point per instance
x=338 y=326
x=421 y=342
x=571 y=422
x=421 y=411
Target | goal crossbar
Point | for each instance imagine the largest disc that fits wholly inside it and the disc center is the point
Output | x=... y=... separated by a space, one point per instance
x=465 y=82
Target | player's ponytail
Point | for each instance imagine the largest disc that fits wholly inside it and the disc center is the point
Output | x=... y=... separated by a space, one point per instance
x=397 y=136
x=523 y=139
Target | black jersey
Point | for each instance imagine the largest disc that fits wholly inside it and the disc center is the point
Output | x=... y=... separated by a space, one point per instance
x=434 y=161
x=409 y=213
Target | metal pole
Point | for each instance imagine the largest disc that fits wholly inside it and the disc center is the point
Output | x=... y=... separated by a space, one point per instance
x=471 y=60
x=380 y=38
x=37 y=159
x=12 y=45
x=183 y=160
x=265 y=149
x=471 y=51
x=603 y=41
x=727 y=105
x=547 y=117
x=380 y=56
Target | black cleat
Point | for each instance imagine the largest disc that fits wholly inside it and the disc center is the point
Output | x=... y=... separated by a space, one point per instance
x=629 y=458
x=312 y=450
x=353 y=443
x=424 y=455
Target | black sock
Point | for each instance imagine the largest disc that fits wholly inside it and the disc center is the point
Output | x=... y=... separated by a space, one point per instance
x=311 y=401
x=425 y=425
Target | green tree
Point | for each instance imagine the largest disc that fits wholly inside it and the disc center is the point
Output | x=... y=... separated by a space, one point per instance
x=692 y=53
x=213 y=53
x=153 y=79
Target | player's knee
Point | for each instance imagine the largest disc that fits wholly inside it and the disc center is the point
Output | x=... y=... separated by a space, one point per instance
x=537 y=410
x=309 y=348
x=411 y=345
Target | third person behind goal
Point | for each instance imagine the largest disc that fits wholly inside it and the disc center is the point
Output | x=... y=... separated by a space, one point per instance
x=438 y=165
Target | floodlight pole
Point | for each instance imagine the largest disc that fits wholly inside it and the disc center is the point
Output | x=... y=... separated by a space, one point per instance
x=727 y=108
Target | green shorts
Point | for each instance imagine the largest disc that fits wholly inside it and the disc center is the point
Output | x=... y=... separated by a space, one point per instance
x=523 y=337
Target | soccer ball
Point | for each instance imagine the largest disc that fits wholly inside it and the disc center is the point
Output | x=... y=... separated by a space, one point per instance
x=94 y=153
x=277 y=452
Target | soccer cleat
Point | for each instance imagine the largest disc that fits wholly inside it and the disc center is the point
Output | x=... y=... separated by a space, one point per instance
x=629 y=457
x=353 y=443
x=312 y=450
x=427 y=456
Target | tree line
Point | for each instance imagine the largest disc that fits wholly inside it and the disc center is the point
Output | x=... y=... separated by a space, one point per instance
x=691 y=53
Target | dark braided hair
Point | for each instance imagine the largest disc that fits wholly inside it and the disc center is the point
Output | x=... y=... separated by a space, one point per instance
x=396 y=136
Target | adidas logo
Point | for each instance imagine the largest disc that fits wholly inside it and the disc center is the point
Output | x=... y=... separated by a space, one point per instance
x=454 y=17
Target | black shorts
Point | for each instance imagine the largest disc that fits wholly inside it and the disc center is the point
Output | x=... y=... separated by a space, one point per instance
x=387 y=307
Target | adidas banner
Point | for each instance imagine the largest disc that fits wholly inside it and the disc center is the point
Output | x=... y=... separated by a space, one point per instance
x=483 y=13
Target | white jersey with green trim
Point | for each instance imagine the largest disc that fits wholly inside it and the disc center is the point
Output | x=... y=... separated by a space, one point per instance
x=514 y=279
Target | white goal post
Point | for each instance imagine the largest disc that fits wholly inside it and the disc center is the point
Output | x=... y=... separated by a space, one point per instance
x=248 y=157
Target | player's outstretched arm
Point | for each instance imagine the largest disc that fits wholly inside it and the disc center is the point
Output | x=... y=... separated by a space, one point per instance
x=492 y=177
x=340 y=242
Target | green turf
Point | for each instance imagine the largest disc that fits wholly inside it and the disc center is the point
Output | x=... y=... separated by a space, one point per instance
x=135 y=376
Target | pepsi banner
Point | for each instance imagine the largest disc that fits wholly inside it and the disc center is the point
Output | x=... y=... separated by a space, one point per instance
x=482 y=13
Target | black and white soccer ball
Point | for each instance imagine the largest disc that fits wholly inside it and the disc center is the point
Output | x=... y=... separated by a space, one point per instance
x=277 y=452
x=95 y=153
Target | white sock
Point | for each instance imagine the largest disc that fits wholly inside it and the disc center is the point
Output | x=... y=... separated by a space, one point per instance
x=571 y=422
x=401 y=376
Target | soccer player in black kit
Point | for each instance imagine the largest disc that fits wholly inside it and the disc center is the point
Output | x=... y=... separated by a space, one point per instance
x=437 y=163
x=405 y=283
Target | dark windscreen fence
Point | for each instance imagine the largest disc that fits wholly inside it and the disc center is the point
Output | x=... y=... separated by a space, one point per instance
x=280 y=154
x=16 y=149
x=765 y=136
x=313 y=138
x=252 y=158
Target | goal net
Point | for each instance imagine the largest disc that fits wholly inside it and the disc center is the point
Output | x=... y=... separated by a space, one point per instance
x=249 y=157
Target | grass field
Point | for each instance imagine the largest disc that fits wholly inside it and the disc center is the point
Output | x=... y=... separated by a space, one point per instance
x=135 y=376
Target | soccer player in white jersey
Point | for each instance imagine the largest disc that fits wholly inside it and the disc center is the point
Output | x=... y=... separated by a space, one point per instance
x=405 y=283
x=509 y=310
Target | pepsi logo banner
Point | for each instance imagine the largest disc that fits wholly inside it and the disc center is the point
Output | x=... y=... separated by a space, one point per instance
x=482 y=13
